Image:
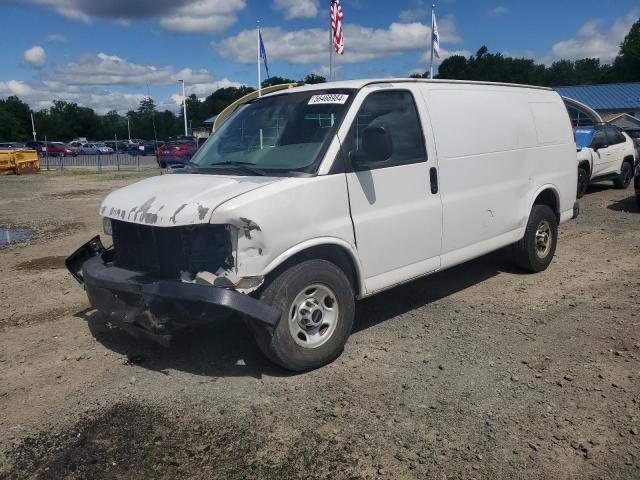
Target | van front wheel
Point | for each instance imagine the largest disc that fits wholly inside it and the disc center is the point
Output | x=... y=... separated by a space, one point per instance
x=317 y=308
x=538 y=246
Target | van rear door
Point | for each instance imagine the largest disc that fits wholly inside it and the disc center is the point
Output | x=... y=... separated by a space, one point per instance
x=395 y=204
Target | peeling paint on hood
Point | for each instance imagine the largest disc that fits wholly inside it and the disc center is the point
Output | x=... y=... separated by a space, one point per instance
x=173 y=200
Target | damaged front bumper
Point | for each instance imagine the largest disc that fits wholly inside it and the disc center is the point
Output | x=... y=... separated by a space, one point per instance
x=155 y=308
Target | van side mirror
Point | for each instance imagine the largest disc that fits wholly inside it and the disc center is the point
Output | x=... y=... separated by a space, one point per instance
x=377 y=146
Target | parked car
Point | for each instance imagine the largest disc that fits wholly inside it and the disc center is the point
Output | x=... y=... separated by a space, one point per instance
x=40 y=147
x=287 y=222
x=142 y=147
x=11 y=145
x=634 y=133
x=176 y=152
x=121 y=146
x=96 y=148
x=604 y=153
x=636 y=183
x=59 y=149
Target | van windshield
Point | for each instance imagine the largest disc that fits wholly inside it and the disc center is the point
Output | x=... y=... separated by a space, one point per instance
x=282 y=135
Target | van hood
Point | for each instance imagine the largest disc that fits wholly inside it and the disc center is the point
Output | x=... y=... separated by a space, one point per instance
x=177 y=199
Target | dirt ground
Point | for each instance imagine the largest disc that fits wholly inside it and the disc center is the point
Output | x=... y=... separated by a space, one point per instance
x=478 y=372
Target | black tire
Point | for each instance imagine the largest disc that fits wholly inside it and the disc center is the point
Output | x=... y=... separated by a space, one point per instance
x=638 y=200
x=527 y=252
x=626 y=175
x=281 y=347
x=583 y=182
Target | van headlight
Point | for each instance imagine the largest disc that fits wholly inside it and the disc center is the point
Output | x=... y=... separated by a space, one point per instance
x=107 y=227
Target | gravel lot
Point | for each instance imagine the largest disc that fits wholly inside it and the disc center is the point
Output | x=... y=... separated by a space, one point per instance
x=478 y=372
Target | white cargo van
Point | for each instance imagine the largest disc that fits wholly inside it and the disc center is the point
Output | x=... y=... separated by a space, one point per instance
x=307 y=199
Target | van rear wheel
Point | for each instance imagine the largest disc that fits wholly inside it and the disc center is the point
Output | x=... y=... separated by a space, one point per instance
x=538 y=246
x=318 y=306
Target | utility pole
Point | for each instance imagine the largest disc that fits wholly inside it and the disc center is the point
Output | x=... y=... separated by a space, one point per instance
x=184 y=106
x=128 y=127
x=33 y=127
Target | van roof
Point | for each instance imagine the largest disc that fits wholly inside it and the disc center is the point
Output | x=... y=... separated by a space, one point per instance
x=358 y=84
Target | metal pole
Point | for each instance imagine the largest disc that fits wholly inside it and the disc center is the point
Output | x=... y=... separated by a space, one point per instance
x=258 y=58
x=128 y=127
x=433 y=12
x=331 y=43
x=184 y=106
x=33 y=127
x=115 y=135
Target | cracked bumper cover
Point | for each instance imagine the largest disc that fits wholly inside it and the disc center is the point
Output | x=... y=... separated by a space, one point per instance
x=155 y=308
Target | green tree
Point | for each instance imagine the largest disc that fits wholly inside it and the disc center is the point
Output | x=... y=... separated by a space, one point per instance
x=312 y=78
x=626 y=67
x=276 y=81
x=17 y=116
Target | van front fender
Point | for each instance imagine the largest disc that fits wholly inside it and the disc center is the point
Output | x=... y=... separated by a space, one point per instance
x=349 y=249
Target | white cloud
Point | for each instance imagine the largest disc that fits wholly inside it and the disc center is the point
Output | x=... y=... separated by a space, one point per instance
x=103 y=69
x=594 y=41
x=498 y=11
x=309 y=46
x=95 y=81
x=203 y=90
x=297 y=8
x=35 y=57
x=203 y=16
x=417 y=12
x=55 y=37
x=197 y=16
x=41 y=96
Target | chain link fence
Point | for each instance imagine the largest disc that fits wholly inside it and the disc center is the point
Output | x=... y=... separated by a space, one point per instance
x=98 y=162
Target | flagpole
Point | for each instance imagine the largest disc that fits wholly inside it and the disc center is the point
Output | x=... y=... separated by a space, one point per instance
x=258 y=58
x=433 y=12
x=330 y=41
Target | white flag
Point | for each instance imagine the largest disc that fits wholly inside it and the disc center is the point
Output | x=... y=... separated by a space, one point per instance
x=435 y=36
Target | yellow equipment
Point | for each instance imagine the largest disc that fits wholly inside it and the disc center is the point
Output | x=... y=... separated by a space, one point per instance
x=19 y=162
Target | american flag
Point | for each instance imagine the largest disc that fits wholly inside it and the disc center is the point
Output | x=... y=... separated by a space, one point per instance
x=336 y=26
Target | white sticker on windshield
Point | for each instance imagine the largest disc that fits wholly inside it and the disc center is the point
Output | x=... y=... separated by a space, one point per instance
x=330 y=98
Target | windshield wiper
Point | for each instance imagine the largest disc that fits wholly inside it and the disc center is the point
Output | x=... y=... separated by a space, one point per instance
x=246 y=166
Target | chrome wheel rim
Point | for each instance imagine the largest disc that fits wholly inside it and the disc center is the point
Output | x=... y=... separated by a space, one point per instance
x=544 y=237
x=313 y=316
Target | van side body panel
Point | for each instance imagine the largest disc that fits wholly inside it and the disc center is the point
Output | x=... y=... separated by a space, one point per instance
x=497 y=146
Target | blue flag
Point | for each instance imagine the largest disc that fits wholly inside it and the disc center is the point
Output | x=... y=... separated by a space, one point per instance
x=263 y=55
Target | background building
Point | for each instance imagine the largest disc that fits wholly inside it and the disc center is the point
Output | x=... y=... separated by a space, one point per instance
x=616 y=103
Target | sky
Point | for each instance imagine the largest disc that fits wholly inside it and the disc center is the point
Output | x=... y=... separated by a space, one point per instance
x=109 y=54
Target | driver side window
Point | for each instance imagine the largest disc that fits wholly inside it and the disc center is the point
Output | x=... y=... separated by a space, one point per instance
x=394 y=111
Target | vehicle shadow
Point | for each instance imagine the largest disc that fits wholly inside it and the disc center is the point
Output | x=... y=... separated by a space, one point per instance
x=384 y=306
x=227 y=349
x=626 y=205
x=599 y=187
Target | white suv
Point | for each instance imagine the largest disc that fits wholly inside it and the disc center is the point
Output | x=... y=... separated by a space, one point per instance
x=604 y=153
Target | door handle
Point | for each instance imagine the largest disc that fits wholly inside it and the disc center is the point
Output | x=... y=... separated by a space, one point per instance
x=433 y=175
